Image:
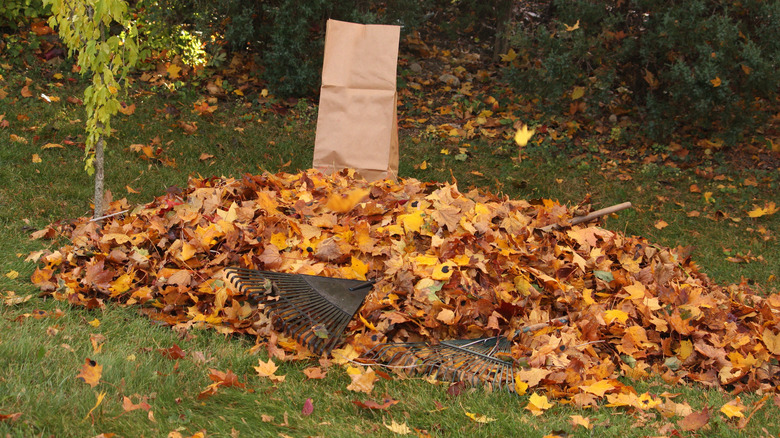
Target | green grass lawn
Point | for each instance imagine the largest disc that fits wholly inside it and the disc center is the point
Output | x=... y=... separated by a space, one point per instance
x=42 y=350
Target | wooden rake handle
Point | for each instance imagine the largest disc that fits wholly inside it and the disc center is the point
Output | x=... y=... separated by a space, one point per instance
x=591 y=216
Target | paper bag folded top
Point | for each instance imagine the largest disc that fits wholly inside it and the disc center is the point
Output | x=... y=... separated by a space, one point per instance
x=356 y=124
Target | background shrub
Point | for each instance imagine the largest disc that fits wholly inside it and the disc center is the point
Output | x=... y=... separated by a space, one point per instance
x=702 y=65
x=14 y=12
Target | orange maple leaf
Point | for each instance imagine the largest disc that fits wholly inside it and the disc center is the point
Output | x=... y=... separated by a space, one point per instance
x=90 y=373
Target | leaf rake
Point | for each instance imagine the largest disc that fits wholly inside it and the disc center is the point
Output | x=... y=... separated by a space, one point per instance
x=314 y=310
x=474 y=361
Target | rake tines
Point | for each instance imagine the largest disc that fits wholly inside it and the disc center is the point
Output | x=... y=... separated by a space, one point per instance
x=474 y=361
x=312 y=309
x=471 y=361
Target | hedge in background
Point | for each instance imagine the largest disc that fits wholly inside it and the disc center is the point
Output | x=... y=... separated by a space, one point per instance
x=703 y=65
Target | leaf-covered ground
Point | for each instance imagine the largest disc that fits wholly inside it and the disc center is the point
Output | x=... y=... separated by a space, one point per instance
x=448 y=265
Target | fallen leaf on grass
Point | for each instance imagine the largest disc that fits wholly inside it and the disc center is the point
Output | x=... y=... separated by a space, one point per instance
x=362 y=380
x=479 y=418
x=174 y=353
x=97 y=341
x=371 y=404
x=11 y=299
x=579 y=420
x=308 y=408
x=128 y=405
x=537 y=404
x=733 y=408
x=695 y=420
x=661 y=224
x=599 y=388
x=227 y=379
x=204 y=156
x=767 y=209
x=127 y=110
x=268 y=369
x=36 y=158
x=90 y=372
x=314 y=373
x=12 y=274
x=10 y=417
x=100 y=398
x=399 y=428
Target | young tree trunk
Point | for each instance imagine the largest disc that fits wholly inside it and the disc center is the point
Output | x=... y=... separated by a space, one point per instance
x=504 y=20
x=99 y=178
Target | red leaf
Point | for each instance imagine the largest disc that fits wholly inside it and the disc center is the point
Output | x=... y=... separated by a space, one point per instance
x=695 y=420
x=10 y=417
x=308 y=408
x=371 y=404
x=227 y=379
x=456 y=388
x=173 y=353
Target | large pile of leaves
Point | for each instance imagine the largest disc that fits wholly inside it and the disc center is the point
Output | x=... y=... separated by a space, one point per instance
x=447 y=265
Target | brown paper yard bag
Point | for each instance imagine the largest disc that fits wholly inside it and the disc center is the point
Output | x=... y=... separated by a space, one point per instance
x=357 y=125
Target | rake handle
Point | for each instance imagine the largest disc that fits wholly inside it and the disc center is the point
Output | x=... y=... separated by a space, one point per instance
x=592 y=215
x=369 y=283
x=541 y=325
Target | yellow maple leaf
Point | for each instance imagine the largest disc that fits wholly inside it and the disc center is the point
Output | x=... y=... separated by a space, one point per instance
x=509 y=56
x=767 y=209
x=360 y=268
x=344 y=355
x=685 y=350
x=97 y=403
x=36 y=158
x=479 y=418
x=771 y=340
x=537 y=404
x=443 y=271
x=187 y=252
x=579 y=420
x=636 y=291
x=733 y=408
x=412 y=221
x=615 y=314
x=446 y=316
x=268 y=369
x=399 y=428
x=279 y=240
x=573 y=27
x=577 y=93
x=344 y=203
x=173 y=71
x=520 y=386
x=523 y=135
x=661 y=224
x=12 y=274
x=121 y=284
x=715 y=82
x=362 y=380
x=599 y=388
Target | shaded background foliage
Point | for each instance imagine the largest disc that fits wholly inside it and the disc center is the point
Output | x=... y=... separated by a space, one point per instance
x=703 y=67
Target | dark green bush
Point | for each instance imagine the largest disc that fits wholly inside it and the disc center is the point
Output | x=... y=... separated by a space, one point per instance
x=287 y=34
x=698 y=65
x=13 y=12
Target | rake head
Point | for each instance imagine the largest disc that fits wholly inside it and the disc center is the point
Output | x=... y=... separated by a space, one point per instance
x=312 y=309
x=473 y=361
